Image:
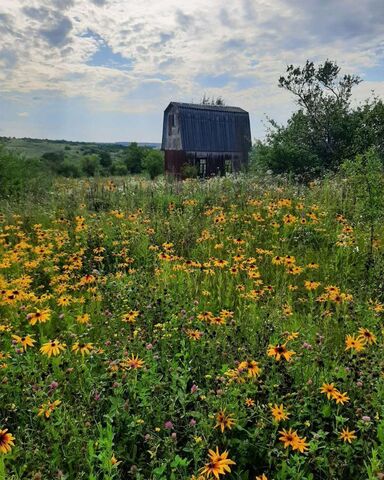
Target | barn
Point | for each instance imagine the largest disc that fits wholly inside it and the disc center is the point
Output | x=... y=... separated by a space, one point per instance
x=205 y=139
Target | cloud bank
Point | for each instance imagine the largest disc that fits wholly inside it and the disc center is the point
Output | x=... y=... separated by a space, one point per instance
x=119 y=63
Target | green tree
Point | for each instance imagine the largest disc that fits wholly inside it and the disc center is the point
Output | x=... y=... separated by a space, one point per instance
x=153 y=163
x=134 y=158
x=90 y=165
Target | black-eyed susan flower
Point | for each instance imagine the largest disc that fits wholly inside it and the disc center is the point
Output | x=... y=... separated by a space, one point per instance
x=40 y=316
x=280 y=351
x=279 y=413
x=25 y=341
x=329 y=389
x=367 y=336
x=133 y=363
x=354 y=343
x=6 y=441
x=218 y=464
x=82 y=348
x=347 y=435
x=48 y=408
x=224 y=420
x=53 y=347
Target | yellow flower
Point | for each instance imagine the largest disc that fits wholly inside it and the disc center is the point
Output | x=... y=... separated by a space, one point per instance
x=217 y=465
x=367 y=336
x=251 y=367
x=53 y=347
x=83 y=348
x=280 y=351
x=131 y=316
x=224 y=421
x=354 y=343
x=47 y=409
x=133 y=363
x=329 y=389
x=6 y=441
x=347 y=435
x=279 y=413
x=40 y=316
x=83 y=319
x=26 y=341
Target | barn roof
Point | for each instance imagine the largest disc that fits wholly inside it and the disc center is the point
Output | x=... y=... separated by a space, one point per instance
x=213 y=128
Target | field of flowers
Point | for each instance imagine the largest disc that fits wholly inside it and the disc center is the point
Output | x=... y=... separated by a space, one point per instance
x=231 y=329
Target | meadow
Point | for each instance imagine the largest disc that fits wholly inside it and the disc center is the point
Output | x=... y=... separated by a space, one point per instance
x=231 y=328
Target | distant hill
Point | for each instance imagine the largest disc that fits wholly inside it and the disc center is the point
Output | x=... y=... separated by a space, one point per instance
x=36 y=147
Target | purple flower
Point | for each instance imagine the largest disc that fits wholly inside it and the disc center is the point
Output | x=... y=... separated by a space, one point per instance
x=168 y=425
x=192 y=422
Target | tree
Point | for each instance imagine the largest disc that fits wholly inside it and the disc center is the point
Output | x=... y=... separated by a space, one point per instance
x=153 y=163
x=90 y=165
x=324 y=98
x=212 y=101
x=134 y=157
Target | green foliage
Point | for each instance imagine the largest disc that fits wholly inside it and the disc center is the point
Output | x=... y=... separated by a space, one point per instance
x=134 y=156
x=90 y=165
x=20 y=176
x=153 y=163
x=325 y=130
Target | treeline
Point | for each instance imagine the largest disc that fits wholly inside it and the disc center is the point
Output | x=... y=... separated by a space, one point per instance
x=99 y=160
x=326 y=130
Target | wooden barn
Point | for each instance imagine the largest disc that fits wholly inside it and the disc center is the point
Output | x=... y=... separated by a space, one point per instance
x=208 y=139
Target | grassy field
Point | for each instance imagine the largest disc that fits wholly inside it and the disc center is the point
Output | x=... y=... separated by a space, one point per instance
x=231 y=328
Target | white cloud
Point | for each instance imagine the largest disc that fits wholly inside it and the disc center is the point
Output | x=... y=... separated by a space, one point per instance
x=47 y=45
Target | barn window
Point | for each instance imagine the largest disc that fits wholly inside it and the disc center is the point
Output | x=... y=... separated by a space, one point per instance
x=203 y=167
x=228 y=166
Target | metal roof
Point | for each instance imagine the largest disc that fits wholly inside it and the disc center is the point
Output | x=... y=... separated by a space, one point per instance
x=212 y=128
x=214 y=108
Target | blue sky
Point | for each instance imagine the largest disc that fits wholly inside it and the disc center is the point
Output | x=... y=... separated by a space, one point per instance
x=104 y=70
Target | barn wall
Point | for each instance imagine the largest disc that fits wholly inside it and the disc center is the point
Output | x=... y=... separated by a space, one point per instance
x=171 y=129
x=173 y=162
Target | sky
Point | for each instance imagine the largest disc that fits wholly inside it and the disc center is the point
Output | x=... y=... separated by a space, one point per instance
x=105 y=70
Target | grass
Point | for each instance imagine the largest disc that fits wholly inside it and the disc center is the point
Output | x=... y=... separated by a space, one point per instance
x=172 y=304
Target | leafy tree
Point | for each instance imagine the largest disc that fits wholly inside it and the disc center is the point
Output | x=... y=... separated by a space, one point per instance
x=105 y=159
x=119 y=168
x=153 y=163
x=90 y=165
x=53 y=160
x=134 y=158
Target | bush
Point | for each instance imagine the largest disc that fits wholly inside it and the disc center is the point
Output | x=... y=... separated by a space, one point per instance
x=21 y=176
x=153 y=163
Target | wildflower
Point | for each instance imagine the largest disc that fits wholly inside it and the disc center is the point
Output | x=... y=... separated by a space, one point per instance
x=249 y=402
x=6 y=441
x=279 y=413
x=340 y=397
x=300 y=444
x=329 y=389
x=311 y=285
x=354 y=343
x=64 y=301
x=367 y=336
x=224 y=421
x=134 y=363
x=347 y=435
x=131 y=316
x=83 y=348
x=288 y=437
x=26 y=341
x=83 y=319
x=251 y=367
x=53 y=347
x=218 y=464
x=261 y=477
x=47 y=409
x=280 y=351
x=194 y=334
x=40 y=316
